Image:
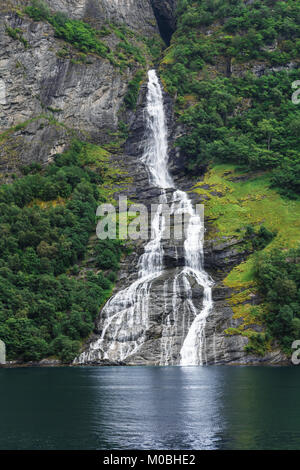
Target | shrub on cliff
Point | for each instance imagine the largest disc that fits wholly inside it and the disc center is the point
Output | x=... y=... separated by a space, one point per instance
x=80 y=34
x=133 y=90
x=38 y=10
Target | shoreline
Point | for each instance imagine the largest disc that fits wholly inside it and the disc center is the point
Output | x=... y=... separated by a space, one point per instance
x=57 y=364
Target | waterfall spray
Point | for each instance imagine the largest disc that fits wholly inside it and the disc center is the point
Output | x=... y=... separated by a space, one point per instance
x=126 y=315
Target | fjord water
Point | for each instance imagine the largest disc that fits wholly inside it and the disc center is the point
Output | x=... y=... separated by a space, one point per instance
x=125 y=318
x=150 y=408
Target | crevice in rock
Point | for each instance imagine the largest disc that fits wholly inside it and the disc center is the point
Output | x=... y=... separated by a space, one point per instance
x=165 y=16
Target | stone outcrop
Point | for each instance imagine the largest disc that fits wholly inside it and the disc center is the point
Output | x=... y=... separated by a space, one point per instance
x=36 y=82
x=2 y=353
x=136 y=14
x=46 y=93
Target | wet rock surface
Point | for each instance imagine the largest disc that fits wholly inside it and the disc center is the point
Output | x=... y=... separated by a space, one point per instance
x=165 y=335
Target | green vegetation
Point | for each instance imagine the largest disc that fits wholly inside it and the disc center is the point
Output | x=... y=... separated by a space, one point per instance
x=244 y=199
x=232 y=114
x=16 y=33
x=238 y=31
x=46 y=221
x=133 y=90
x=278 y=277
x=258 y=239
x=243 y=207
x=88 y=40
x=155 y=46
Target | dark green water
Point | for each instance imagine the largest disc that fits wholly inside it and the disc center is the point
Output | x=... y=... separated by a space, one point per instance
x=150 y=408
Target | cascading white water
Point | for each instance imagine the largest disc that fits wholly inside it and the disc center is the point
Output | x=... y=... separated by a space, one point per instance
x=156 y=149
x=193 y=347
x=126 y=314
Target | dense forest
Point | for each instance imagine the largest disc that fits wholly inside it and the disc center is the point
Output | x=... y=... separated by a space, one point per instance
x=278 y=276
x=47 y=218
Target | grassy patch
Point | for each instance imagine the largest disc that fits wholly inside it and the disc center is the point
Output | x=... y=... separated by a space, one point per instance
x=243 y=202
x=99 y=160
x=232 y=204
x=246 y=202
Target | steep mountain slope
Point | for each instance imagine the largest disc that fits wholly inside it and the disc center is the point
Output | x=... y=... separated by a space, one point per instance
x=48 y=84
x=233 y=67
x=72 y=96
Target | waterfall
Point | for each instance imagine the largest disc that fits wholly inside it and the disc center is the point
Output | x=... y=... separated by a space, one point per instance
x=126 y=316
x=156 y=149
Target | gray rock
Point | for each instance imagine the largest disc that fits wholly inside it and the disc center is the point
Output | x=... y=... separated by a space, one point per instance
x=136 y=14
x=35 y=81
x=2 y=353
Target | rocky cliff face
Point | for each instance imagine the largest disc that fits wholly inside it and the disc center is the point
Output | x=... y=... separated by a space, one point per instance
x=46 y=91
x=36 y=82
x=46 y=97
x=136 y=14
x=165 y=16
